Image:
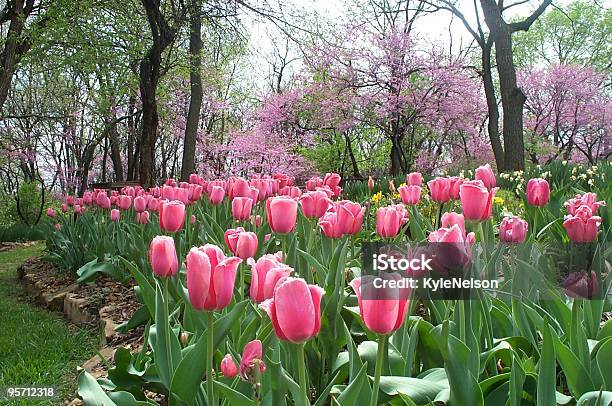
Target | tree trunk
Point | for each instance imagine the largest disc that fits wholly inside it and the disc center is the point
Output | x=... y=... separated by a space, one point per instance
x=150 y=73
x=396 y=158
x=493 y=122
x=349 y=150
x=195 y=102
x=115 y=149
x=512 y=97
x=16 y=43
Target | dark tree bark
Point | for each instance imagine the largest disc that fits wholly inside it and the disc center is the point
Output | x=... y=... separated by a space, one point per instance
x=115 y=152
x=349 y=150
x=150 y=73
x=493 y=110
x=512 y=97
x=195 y=78
x=17 y=42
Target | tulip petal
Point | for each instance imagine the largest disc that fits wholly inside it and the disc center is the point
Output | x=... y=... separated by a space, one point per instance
x=295 y=309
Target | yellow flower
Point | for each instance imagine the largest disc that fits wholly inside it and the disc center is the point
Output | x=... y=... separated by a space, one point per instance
x=377 y=197
x=395 y=196
x=498 y=200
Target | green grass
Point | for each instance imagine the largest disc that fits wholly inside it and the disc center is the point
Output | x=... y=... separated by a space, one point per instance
x=37 y=347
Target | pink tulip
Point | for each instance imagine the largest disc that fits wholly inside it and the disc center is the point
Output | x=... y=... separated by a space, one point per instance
x=382 y=310
x=332 y=180
x=314 y=204
x=579 y=286
x=142 y=218
x=476 y=200
x=252 y=352
x=113 y=200
x=58 y=226
x=51 y=212
x=265 y=273
x=153 y=204
x=64 y=207
x=195 y=192
x=414 y=179
x=313 y=183
x=583 y=225
x=587 y=199
x=115 y=215
x=216 y=195
x=282 y=214
x=439 y=188
x=240 y=188
x=162 y=256
x=77 y=209
x=283 y=180
x=454 y=186
x=210 y=277
x=103 y=201
x=70 y=200
x=194 y=178
x=182 y=195
x=538 y=192
x=450 y=249
x=350 y=216
x=295 y=309
x=513 y=230
x=291 y=191
x=452 y=218
x=453 y=235
x=330 y=225
x=193 y=219
x=241 y=243
x=228 y=366
x=389 y=220
x=485 y=174
x=410 y=194
x=124 y=202
x=140 y=204
x=87 y=198
x=241 y=208
x=171 y=216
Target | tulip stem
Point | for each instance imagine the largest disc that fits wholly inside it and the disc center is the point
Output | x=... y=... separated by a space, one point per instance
x=167 y=312
x=302 y=374
x=257 y=382
x=209 y=363
x=380 y=354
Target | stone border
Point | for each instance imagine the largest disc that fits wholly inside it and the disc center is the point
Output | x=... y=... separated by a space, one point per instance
x=77 y=310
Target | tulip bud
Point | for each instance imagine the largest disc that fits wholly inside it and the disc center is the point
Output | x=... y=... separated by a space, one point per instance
x=140 y=204
x=282 y=214
x=228 y=367
x=485 y=174
x=162 y=256
x=171 y=216
x=115 y=215
x=370 y=183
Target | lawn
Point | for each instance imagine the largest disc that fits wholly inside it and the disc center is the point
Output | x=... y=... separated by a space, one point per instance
x=37 y=347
